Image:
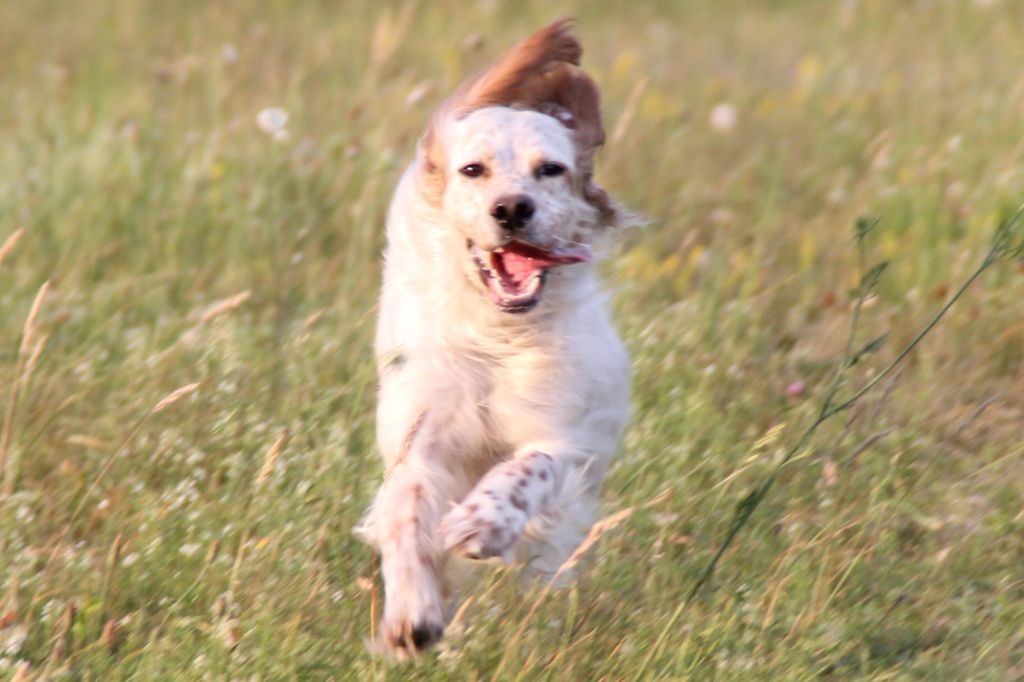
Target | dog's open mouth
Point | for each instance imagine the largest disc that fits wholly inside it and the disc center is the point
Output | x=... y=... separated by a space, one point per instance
x=514 y=273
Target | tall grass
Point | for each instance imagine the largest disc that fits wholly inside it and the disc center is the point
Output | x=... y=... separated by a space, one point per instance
x=187 y=303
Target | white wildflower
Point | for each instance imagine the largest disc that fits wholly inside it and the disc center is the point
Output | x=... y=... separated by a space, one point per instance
x=419 y=93
x=723 y=216
x=836 y=195
x=723 y=117
x=190 y=548
x=274 y=122
x=13 y=639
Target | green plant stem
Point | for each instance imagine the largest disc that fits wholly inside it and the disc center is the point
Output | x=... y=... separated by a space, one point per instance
x=846 y=404
x=748 y=505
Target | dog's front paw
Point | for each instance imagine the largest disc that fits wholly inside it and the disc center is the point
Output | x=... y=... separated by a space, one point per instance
x=483 y=526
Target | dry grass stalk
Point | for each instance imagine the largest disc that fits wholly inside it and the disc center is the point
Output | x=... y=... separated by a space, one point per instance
x=307 y=325
x=211 y=313
x=59 y=651
x=114 y=555
x=23 y=369
x=269 y=460
x=596 y=531
x=87 y=442
x=229 y=633
x=389 y=34
x=171 y=398
x=63 y=639
x=629 y=112
x=311 y=320
x=110 y=638
x=219 y=606
x=212 y=553
x=29 y=330
x=33 y=358
x=10 y=243
x=224 y=306
x=9 y=605
x=460 y=614
x=237 y=566
x=174 y=396
x=9 y=464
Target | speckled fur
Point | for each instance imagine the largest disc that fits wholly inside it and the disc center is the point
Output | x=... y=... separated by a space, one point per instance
x=496 y=429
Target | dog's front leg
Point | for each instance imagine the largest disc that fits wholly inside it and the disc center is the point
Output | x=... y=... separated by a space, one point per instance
x=407 y=511
x=494 y=514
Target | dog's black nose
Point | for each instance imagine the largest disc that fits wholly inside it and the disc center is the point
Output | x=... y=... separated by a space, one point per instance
x=513 y=212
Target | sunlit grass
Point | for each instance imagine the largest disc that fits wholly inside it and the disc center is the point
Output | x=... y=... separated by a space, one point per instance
x=186 y=408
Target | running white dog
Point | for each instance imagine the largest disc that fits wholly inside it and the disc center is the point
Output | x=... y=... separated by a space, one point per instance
x=503 y=386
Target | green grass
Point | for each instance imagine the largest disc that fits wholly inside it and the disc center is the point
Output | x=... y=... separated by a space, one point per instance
x=890 y=548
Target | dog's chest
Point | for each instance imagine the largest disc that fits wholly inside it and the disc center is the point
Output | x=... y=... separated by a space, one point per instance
x=517 y=396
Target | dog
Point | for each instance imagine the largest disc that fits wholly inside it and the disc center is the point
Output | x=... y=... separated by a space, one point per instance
x=504 y=388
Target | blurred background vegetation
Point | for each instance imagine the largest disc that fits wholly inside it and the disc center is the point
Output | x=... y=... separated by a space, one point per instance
x=189 y=245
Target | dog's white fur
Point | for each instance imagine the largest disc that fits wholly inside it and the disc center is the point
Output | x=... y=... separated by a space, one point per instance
x=496 y=428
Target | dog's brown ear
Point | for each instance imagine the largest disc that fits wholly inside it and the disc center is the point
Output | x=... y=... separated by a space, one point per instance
x=572 y=97
x=539 y=73
x=520 y=75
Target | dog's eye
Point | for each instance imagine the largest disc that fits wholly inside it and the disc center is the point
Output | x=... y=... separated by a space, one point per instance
x=472 y=170
x=550 y=170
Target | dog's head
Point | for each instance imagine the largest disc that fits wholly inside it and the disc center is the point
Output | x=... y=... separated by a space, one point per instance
x=509 y=161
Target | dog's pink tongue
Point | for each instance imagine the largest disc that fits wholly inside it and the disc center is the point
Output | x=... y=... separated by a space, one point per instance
x=520 y=261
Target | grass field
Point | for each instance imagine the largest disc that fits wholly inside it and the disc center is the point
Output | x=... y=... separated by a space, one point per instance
x=206 y=533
